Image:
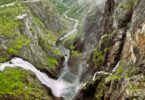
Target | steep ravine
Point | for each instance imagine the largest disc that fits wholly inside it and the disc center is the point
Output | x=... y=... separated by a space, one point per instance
x=108 y=56
x=63 y=86
x=120 y=42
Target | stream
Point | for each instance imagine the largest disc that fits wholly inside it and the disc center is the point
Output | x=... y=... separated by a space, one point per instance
x=67 y=85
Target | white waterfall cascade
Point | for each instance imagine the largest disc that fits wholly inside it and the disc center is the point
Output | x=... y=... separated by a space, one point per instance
x=59 y=87
x=67 y=84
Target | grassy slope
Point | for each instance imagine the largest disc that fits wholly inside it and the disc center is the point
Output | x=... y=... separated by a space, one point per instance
x=5 y=1
x=20 y=84
x=8 y=27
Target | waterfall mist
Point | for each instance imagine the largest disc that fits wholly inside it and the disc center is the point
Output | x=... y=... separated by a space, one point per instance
x=68 y=83
x=65 y=86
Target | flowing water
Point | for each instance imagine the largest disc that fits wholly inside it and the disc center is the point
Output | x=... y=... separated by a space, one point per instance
x=67 y=84
x=62 y=87
x=74 y=27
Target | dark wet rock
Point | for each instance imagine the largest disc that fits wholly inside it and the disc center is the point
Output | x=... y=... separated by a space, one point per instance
x=121 y=40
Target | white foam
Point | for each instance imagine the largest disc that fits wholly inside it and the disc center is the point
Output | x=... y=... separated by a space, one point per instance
x=58 y=87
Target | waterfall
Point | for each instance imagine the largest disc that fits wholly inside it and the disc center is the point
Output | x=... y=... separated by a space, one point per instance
x=62 y=87
x=67 y=84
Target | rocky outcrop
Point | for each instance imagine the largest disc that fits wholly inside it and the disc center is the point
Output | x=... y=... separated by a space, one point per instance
x=47 y=13
x=121 y=40
x=112 y=49
x=18 y=84
x=25 y=33
x=92 y=35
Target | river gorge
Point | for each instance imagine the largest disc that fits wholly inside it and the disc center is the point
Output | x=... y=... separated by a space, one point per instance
x=72 y=50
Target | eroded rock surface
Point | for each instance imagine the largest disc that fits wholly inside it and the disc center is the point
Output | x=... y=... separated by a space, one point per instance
x=121 y=40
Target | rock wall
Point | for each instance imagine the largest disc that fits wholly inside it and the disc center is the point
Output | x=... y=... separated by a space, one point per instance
x=47 y=13
x=119 y=53
x=29 y=30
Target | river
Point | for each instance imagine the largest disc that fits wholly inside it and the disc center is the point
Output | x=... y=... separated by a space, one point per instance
x=67 y=84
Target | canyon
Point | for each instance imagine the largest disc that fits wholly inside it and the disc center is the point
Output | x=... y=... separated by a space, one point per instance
x=72 y=50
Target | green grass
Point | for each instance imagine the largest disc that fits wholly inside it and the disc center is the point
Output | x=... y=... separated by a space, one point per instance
x=127 y=6
x=117 y=75
x=13 y=84
x=12 y=29
x=8 y=31
x=49 y=39
x=18 y=43
x=8 y=22
x=52 y=62
x=2 y=2
x=74 y=51
x=9 y=25
x=3 y=59
x=98 y=56
x=21 y=84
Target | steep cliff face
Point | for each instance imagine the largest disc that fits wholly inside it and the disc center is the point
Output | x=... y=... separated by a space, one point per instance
x=111 y=49
x=92 y=24
x=119 y=55
x=27 y=31
x=51 y=20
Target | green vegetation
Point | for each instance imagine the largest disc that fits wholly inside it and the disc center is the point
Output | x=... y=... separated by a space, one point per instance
x=2 y=2
x=76 y=11
x=8 y=22
x=117 y=75
x=74 y=52
x=38 y=22
x=3 y=59
x=100 y=90
x=57 y=52
x=21 y=84
x=7 y=27
x=98 y=57
x=52 y=62
x=61 y=8
x=70 y=39
x=49 y=39
x=13 y=30
x=46 y=41
x=69 y=2
x=9 y=30
x=135 y=85
x=18 y=43
x=127 y=6
x=123 y=72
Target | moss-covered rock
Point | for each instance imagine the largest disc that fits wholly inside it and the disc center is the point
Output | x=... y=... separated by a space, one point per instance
x=24 y=34
x=18 y=84
x=121 y=33
x=51 y=19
